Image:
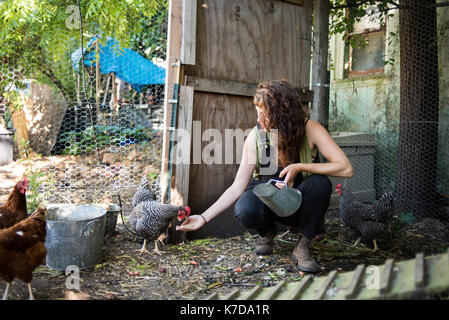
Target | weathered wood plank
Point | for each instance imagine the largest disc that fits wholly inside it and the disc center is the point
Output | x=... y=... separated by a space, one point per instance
x=420 y=270
x=188 y=44
x=238 y=88
x=386 y=276
x=254 y=41
x=251 y=294
x=181 y=154
x=327 y=282
x=232 y=295
x=275 y=290
x=298 y=2
x=173 y=54
x=301 y=287
x=212 y=296
x=351 y=290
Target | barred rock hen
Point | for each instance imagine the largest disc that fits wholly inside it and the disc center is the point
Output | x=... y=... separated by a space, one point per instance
x=22 y=249
x=149 y=218
x=369 y=221
x=143 y=192
x=15 y=208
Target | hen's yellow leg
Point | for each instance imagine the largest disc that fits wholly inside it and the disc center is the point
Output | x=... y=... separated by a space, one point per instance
x=144 y=248
x=156 y=249
x=375 y=246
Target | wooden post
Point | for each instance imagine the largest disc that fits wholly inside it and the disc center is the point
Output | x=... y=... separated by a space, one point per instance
x=188 y=43
x=114 y=92
x=320 y=75
x=174 y=35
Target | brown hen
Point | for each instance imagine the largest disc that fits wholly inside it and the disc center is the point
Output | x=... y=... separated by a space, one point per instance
x=22 y=249
x=15 y=208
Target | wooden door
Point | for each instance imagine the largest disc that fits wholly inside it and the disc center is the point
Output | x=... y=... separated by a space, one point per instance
x=226 y=48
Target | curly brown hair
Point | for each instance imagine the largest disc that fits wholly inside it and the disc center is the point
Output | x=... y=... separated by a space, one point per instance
x=280 y=102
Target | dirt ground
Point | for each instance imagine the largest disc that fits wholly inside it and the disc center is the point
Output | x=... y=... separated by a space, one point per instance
x=200 y=267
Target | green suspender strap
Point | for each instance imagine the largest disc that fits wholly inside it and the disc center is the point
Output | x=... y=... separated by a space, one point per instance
x=305 y=155
x=261 y=145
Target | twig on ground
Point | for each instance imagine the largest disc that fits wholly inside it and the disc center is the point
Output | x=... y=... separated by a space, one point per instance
x=283 y=234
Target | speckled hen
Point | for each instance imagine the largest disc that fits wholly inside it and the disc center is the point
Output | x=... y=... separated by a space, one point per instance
x=149 y=218
x=368 y=220
x=143 y=192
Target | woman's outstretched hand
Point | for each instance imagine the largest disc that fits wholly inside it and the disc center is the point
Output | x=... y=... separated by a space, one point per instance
x=192 y=223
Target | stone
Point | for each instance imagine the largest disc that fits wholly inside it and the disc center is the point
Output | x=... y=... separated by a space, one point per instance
x=40 y=119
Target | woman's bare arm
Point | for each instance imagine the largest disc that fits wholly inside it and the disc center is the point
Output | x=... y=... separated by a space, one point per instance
x=338 y=164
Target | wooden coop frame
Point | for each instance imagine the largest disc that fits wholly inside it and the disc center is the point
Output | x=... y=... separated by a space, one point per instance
x=217 y=52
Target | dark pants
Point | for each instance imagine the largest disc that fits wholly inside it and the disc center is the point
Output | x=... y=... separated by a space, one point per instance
x=316 y=191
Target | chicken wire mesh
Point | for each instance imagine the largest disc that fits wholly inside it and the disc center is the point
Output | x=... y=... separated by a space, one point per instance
x=403 y=147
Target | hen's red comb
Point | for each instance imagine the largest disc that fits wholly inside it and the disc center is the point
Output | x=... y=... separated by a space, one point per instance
x=188 y=210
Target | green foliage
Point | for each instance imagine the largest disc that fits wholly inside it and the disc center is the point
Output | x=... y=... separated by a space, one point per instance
x=151 y=39
x=345 y=13
x=35 y=195
x=37 y=37
x=153 y=175
x=89 y=140
x=26 y=147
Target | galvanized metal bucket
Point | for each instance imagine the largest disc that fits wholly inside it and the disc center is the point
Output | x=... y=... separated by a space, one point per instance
x=284 y=202
x=112 y=211
x=75 y=235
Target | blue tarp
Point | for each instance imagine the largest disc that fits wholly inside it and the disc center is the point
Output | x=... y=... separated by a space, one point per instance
x=127 y=65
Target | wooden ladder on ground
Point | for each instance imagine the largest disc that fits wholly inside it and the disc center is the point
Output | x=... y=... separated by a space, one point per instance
x=408 y=279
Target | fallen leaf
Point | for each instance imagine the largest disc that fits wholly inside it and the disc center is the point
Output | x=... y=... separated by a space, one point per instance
x=194 y=263
x=162 y=269
x=238 y=269
x=135 y=273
